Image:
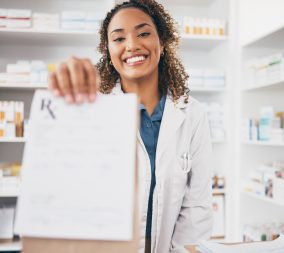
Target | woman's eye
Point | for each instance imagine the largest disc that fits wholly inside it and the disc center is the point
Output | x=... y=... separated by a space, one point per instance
x=144 y=34
x=120 y=39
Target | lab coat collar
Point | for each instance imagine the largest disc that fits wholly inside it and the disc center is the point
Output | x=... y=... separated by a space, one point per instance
x=173 y=118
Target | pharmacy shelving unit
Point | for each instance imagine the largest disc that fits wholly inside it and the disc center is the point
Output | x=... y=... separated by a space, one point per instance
x=51 y=46
x=255 y=43
x=213 y=52
x=57 y=45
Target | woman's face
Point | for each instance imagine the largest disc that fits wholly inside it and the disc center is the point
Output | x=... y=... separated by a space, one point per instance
x=134 y=44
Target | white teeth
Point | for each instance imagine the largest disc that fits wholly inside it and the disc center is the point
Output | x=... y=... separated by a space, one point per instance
x=135 y=59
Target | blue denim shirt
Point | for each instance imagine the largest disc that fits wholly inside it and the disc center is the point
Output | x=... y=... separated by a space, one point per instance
x=149 y=130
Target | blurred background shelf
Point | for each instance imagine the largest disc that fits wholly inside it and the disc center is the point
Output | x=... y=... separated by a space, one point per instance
x=23 y=86
x=202 y=42
x=262 y=198
x=12 y=140
x=264 y=143
x=275 y=85
x=47 y=37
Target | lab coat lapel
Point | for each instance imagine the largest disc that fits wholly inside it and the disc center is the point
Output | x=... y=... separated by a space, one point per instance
x=173 y=118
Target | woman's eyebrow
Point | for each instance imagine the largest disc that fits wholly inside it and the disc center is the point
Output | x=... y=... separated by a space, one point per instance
x=120 y=30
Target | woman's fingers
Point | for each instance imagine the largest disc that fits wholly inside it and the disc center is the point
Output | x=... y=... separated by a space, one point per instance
x=53 y=84
x=91 y=79
x=76 y=79
x=64 y=82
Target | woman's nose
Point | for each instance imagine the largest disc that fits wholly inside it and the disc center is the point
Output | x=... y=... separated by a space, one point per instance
x=132 y=44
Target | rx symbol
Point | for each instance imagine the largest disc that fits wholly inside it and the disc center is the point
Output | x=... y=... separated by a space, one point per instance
x=46 y=105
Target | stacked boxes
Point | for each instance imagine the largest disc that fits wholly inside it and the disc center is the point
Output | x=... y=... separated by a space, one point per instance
x=268 y=127
x=201 y=26
x=68 y=20
x=266 y=70
x=267 y=180
x=74 y=20
x=15 y=18
x=26 y=72
x=45 y=21
x=216 y=118
x=206 y=78
x=11 y=119
x=262 y=232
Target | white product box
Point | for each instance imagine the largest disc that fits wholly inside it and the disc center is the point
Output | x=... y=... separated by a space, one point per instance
x=195 y=73
x=19 y=13
x=278 y=189
x=18 y=78
x=18 y=68
x=215 y=73
x=14 y=23
x=7 y=214
x=214 y=77
x=195 y=81
x=3 y=22
x=9 y=184
x=94 y=16
x=73 y=15
x=3 y=13
x=73 y=25
x=92 y=25
x=255 y=187
x=45 y=16
x=3 y=77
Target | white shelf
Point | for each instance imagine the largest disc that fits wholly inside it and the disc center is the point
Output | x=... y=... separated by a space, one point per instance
x=48 y=37
x=12 y=194
x=11 y=246
x=202 y=42
x=274 y=85
x=274 y=39
x=12 y=140
x=264 y=143
x=207 y=89
x=88 y=38
x=263 y=198
x=23 y=86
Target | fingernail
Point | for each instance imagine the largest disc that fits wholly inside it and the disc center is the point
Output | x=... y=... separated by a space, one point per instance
x=79 y=98
x=56 y=93
x=92 y=97
x=69 y=99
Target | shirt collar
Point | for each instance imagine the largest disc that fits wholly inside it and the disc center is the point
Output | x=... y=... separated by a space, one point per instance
x=158 y=111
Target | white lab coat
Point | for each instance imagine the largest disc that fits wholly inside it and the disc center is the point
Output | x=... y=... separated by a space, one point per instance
x=182 y=201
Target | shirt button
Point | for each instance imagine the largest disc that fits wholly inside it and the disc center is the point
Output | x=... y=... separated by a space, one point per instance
x=144 y=217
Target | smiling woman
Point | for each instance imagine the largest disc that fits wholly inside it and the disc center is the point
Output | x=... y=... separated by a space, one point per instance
x=156 y=29
x=138 y=46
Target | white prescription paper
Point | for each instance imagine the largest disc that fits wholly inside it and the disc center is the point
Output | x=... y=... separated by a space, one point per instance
x=79 y=168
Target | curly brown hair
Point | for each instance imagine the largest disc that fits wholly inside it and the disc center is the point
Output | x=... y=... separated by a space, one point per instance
x=172 y=75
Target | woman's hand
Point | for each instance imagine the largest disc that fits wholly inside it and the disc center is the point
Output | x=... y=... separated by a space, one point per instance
x=77 y=80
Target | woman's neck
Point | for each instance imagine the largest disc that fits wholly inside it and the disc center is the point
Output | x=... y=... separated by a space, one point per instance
x=147 y=91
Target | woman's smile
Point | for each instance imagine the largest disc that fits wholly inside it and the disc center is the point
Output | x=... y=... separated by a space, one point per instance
x=136 y=60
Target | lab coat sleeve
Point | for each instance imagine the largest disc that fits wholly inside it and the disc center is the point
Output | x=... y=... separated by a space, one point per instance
x=195 y=218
